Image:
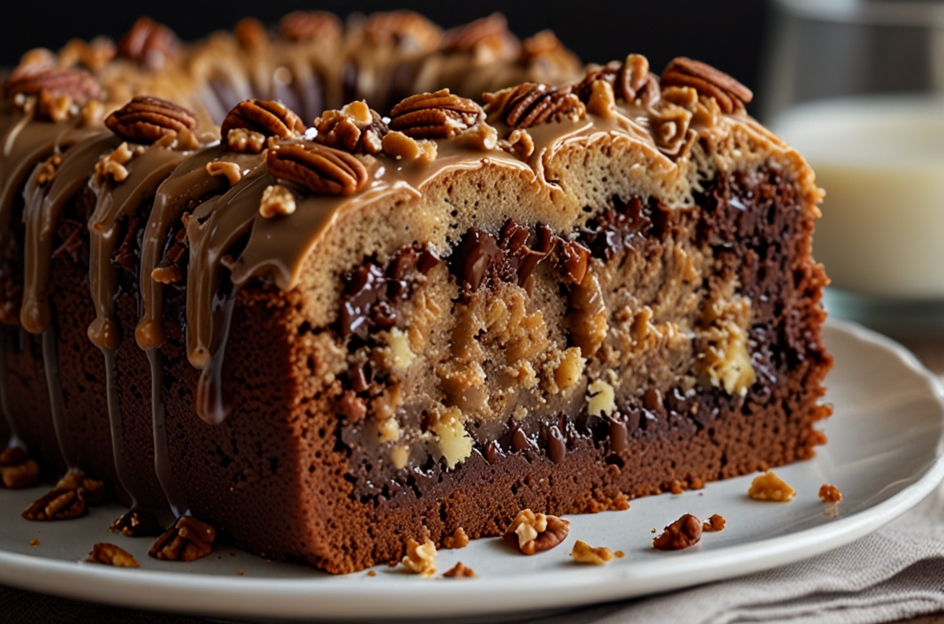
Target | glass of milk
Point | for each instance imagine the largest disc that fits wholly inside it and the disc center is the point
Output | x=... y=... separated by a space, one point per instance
x=857 y=86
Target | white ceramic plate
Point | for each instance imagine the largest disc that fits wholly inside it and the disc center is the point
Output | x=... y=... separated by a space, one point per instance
x=884 y=454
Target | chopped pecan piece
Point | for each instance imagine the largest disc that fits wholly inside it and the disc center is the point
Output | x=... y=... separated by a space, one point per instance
x=94 y=55
x=684 y=532
x=460 y=570
x=355 y=128
x=458 y=539
x=228 y=170
x=265 y=117
x=69 y=499
x=188 y=540
x=830 y=494
x=147 y=119
x=110 y=554
x=631 y=80
x=17 y=468
x=583 y=552
x=438 y=115
x=770 y=487
x=519 y=143
x=306 y=25
x=402 y=147
x=534 y=103
x=420 y=558
x=34 y=79
x=149 y=43
x=322 y=170
x=730 y=94
x=276 y=200
x=670 y=127
x=137 y=523
x=713 y=524
x=250 y=33
x=533 y=533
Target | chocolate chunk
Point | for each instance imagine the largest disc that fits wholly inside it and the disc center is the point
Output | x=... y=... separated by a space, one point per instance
x=619 y=437
x=470 y=260
x=556 y=446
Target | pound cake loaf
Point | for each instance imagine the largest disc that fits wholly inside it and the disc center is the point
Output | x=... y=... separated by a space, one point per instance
x=323 y=333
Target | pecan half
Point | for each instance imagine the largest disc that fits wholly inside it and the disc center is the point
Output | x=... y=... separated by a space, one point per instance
x=306 y=25
x=322 y=170
x=34 y=79
x=684 y=532
x=730 y=94
x=265 y=117
x=533 y=533
x=69 y=499
x=17 y=468
x=631 y=80
x=439 y=115
x=355 y=128
x=408 y=31
x=250 y=33
x=491 y=31
x=110 y=554
x=188 y=540
x=534 y=103
x=147 y=119
x=137 y=523
x=149 y=43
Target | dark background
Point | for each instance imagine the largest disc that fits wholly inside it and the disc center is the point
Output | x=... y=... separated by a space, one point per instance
x=726 y=33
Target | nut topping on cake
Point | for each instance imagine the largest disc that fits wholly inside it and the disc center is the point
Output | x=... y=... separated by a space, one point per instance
x=147 y=119
x=259 y=118
x=17 y=469
x=533 y=533
x=408 y=31
x=276 y=200
x=491 y=32
x=36 y=80
x=356 y=128
x=730 y=94
x=250 y=33
x=439 y=115
x=670 y=127
x=631 y=81
x=149 y=43
x=188 y=540
x=306 y=25
x=322 y=170
x=534 y=103
x=110 y=554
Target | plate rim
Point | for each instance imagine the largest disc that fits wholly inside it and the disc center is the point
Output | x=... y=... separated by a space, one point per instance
x=204 y=594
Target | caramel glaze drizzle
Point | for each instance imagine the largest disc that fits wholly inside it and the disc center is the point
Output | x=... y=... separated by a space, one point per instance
x=25 y=143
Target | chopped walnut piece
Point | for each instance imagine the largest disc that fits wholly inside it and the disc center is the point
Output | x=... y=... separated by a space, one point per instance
x=460 y=570
x=188 y=540
x=95 y=54
x=670 y=125
x=420 y=558
x=46 y=171
x=113 y=165
x=35 y=541
x=519 y=143
x=713 y=524
x=137 y=523
x=458 y=539
x=167 y=275
x=533 y=533
x=585 y=553
x=229 y=170
x=601 y=398
x=371 y=573
x=684 y=532
x=602 y=101
x=355 y=128
x=109 y=554
x=54 y=107
x=69 y=499
x=17 y=469
x=245 y=141
x=830 y=494
x=770 y=487
x=402 y=147
x=276 y=200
